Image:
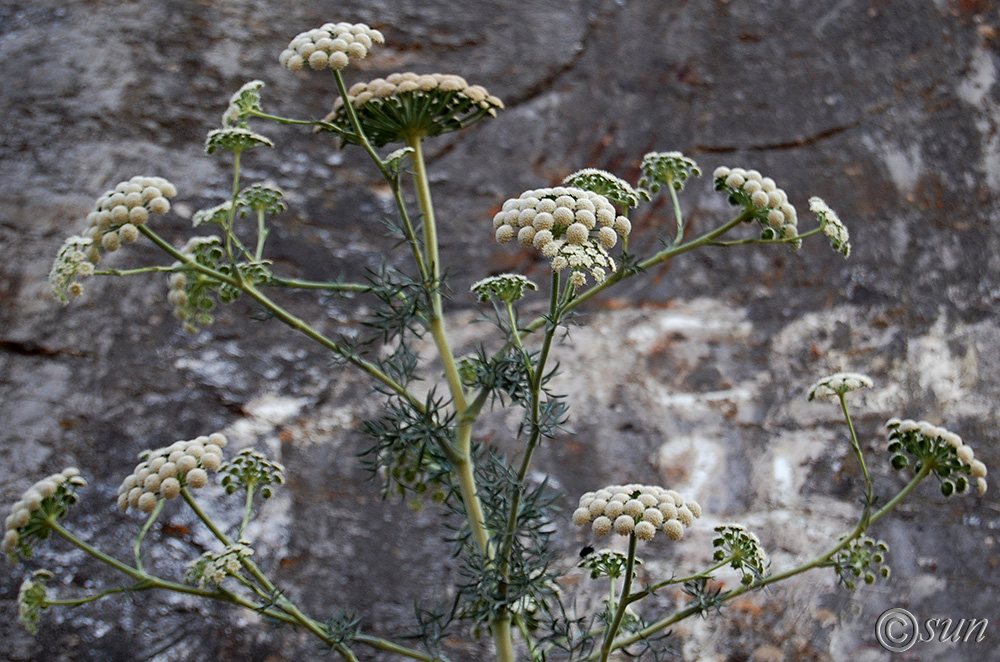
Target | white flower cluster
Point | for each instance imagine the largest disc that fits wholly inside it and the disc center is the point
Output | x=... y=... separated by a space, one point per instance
x=900 y=432
x=52 y=495
x=331 y=46
x=573 y=227
x=763 y=197
x=113 y=222
x=164 y=471
x=831 y=225
x=639 y=509
x=504 y=287
x=212 y=568
x=838 y=384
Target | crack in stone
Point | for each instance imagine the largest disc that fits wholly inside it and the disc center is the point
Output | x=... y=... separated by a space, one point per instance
x=29 y=348
x=544 y=83
x=795 y=143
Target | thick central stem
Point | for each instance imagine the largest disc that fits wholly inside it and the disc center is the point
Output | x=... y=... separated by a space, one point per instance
x=433 y=263
x=464 y=464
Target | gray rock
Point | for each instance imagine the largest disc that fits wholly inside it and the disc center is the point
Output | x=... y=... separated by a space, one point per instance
x=692 y=375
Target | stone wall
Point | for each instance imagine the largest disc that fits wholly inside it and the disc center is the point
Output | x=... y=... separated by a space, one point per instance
x=693 y=375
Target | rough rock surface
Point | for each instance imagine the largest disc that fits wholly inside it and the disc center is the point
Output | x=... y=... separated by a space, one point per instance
x=692 y=375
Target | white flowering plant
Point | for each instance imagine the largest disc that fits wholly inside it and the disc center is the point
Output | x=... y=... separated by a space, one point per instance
x=510 y=582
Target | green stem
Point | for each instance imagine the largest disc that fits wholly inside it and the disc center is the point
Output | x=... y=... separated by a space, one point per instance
x=262 y=233
x=186 y=260
x=861 y=459
x=300 y=325
x=287 y=613
x=287 y=120
x=247 y=509
x=503 y=638
x=536 y=375
x=437 y=323
x=316 y=285
x=786 y=240
x=516 y=336
x=658 y=258
x=529 y=640
x=133 y=272
x=623 y=600
x=231 y=217
x=359 y=133
x=382 y=644
x=677 y=211
x=464 y=465
x=652 y=588
x=137 y=547
x=76 y=602
x=411 y=234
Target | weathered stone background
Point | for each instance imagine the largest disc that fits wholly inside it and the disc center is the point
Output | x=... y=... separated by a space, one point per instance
x=694 y=377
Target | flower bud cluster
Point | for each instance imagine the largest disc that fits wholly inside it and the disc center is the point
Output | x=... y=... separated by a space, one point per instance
x=164 y=471
x=70 y=265
x=115 y=220
x=32 y=598
x=505 y=287
x=573 y=227
x=212 y=568
x=760 y=196
x=189 y=290
x=407 y=105
x=864 y=559
x=602 y=182
x=743 y=549
x=638 y=509
x=838 y=384
x=49 y=497
x=922 y=443
x=417 y=473
x=243 y=103
x=235 y=139
x=666 y=169
x=331 y=46
x=606 y=563
x=250 y=469
x=831 y=225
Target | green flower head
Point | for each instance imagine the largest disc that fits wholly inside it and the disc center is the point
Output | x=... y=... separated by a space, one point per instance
x=234 y=139
x=613 y=188
x=666 y=169
x=952 y=461
x=28 y=521
x=406 y=106
x=505 y=287
x=243 y=103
